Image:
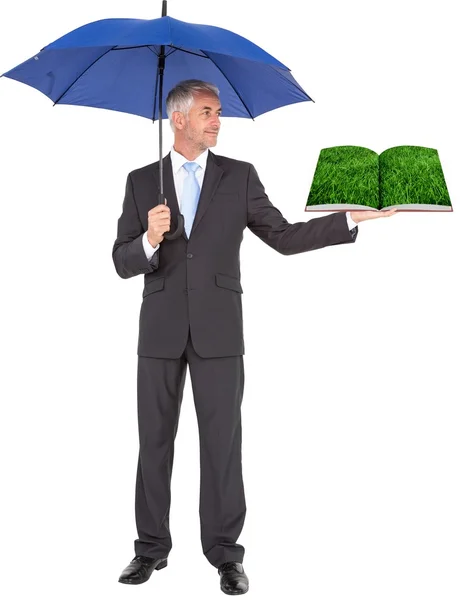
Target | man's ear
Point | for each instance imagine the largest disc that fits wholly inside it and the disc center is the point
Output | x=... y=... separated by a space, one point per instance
x=179 y=119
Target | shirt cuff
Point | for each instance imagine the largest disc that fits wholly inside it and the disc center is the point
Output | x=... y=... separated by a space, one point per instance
x=350 y=221
x=148 y=249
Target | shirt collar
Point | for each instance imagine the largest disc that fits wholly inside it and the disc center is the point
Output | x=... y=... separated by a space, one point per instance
x=177 y=160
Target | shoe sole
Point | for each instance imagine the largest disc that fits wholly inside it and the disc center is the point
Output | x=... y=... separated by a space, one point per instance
x=161 y=565
x=235 y=593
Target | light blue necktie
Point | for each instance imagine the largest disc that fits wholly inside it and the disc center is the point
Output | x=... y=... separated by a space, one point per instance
x=190 y=196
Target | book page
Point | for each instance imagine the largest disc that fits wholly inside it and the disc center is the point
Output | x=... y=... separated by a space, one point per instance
x=410 y=177
x=345 y=176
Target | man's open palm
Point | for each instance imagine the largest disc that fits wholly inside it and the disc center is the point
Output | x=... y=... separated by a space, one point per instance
x=364 y=215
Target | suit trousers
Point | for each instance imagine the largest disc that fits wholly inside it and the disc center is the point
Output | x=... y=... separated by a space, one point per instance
x=217 y=386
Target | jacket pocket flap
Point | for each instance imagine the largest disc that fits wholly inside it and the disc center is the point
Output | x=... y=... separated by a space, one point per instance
x=153 y=286
x=229 y=282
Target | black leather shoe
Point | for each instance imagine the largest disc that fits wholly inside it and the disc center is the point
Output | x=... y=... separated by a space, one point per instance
x=233 y=578
x=141 y=568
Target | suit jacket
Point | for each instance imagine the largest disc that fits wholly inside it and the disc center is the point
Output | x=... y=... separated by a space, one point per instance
x=195 y=282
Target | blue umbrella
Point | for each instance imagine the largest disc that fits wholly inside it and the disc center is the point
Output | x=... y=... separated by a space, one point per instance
x=125 y=65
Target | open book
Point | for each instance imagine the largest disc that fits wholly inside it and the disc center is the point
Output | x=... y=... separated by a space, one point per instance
x=356 y=178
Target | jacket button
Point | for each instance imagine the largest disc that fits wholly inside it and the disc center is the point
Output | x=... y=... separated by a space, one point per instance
x=190 y=255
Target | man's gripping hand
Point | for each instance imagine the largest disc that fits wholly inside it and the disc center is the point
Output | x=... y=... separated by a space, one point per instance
x=159 y=221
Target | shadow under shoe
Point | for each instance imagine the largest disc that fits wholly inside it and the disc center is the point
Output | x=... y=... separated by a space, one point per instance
x=141 y=568
x=233 y=578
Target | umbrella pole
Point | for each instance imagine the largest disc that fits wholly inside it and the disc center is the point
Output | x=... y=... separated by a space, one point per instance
x=161 y=66
x=161 y=197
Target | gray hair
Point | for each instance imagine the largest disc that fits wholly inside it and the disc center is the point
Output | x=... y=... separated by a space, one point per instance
x=181 y=97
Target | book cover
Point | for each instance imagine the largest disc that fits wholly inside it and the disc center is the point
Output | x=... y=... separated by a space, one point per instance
x=409 y=178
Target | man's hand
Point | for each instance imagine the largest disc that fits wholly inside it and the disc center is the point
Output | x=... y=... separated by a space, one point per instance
x=364 y=215
x=159 y=220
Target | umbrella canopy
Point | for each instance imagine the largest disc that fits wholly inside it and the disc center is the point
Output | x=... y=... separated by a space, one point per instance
x=126 y=64
x=112 y=64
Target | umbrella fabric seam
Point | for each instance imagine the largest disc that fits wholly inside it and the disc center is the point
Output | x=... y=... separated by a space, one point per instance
x=82 y=73
x=293 y=83
x=232 y=86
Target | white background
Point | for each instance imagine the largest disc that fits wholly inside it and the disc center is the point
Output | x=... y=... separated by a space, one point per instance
x=351 y=411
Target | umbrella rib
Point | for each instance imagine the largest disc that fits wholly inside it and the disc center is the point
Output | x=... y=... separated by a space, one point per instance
x=190 y=52
x=82 y=73
x=175 y=49
x=150 y=48
x=225 y=76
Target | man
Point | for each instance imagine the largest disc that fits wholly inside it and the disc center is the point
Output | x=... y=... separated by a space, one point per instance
x=191 y=314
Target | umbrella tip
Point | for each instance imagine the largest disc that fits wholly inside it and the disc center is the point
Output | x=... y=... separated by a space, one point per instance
x=163 y=8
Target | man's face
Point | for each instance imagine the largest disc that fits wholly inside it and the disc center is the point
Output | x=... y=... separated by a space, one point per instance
x=202 y=125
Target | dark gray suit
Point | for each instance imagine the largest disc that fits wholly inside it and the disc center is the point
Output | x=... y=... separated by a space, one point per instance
x=192 y=314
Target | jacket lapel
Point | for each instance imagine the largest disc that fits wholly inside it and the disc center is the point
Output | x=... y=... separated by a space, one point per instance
x=213 y=174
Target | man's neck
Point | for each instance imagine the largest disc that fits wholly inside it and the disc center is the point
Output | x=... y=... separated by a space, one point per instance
x=187 y=152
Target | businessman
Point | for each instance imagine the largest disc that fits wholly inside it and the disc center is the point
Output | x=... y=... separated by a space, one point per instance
x=191 y=314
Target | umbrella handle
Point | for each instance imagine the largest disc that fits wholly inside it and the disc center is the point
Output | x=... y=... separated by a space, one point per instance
x=179 y=230
x=175 y=234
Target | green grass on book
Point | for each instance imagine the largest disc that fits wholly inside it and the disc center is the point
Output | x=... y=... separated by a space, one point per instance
x=355 y=178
